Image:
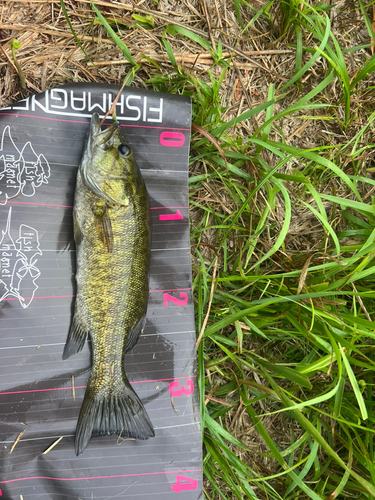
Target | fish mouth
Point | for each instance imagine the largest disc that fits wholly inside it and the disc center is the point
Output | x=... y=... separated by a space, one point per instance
x=98 y=140
x=100 y=137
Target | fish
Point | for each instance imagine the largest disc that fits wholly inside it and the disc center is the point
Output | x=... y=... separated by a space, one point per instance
x=112 y=234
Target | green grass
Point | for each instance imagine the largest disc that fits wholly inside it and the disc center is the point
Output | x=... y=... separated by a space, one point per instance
x=289 y=340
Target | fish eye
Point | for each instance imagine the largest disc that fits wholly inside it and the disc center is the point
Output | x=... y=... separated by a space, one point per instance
x=123 y=150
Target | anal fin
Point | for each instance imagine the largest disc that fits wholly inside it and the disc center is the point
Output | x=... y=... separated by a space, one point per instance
x=134 y=335
x=76 y=339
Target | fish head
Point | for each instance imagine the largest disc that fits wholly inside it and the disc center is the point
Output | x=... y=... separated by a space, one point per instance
x=107 y=163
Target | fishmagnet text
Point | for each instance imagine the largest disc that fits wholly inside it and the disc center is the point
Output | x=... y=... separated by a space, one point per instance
x=130 y=108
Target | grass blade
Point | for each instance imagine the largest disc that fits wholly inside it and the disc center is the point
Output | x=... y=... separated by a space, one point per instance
x=66 y=15
x=172 y=29
x=356 y=389
x=120 y=44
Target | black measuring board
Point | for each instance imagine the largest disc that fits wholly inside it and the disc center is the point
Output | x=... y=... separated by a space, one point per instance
x=41 y=142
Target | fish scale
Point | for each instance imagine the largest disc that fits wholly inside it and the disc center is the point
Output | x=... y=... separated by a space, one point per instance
x=112 y=234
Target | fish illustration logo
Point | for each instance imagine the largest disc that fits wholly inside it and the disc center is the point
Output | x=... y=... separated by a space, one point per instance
x=22 y=171
x=18 y=261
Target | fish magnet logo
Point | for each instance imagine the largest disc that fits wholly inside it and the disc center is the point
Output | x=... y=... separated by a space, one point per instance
x=18 y=263
x=22 y=171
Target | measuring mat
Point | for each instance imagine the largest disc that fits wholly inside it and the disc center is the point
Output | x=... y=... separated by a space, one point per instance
x=41 y=142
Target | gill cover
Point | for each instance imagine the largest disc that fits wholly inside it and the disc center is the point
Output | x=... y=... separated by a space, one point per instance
x=104 y=167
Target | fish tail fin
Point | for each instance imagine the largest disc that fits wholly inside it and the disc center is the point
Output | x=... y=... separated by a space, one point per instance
x=115 y=411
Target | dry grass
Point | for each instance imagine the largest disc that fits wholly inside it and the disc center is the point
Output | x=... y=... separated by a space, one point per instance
x=49 y=56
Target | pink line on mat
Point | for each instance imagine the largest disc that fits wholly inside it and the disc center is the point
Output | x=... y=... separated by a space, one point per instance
x=165 y=208
x=42 y=390
x=51 y=297
x=171 y=290
x=84 y=387
x=86 y=122
x=149 y=126
x=98 y=477
x=39 y=204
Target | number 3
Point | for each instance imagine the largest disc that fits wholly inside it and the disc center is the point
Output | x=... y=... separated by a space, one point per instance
x=173 y=388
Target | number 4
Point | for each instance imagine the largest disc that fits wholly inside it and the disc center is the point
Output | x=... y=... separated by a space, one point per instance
x=188 y=484
x=176 y=216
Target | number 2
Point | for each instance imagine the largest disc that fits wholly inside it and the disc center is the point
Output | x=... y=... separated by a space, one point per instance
x=173 y=388
x=189 y=484
x=179 y=302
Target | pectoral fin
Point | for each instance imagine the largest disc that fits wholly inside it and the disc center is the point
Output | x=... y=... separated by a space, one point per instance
x=104 y=229
x=77 y=230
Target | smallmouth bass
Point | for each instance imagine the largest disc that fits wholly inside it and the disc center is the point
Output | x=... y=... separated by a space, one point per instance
x=113 y=243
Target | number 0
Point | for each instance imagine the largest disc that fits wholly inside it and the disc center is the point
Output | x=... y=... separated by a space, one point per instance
x=172 y=139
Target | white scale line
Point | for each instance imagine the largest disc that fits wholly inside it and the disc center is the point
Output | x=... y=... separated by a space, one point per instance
x=57 y=251
x=180 y=425
x=30 y=346
x=38 y=439
x=72 y=435
x=152 y=250
x=166 y=333
x=142 y=169
x=168 y=249
x=164 y=170
x=64 y=164
x=63 y=343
